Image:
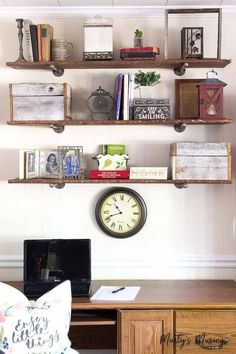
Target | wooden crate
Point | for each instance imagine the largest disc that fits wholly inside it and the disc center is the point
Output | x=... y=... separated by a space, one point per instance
x=201 y=161
x=40 y=102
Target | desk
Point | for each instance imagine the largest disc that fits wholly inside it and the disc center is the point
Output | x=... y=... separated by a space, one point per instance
x=167 y=317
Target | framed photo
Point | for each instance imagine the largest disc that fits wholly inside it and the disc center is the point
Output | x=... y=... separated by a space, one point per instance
x=32 y=164
x=187 y=98
x=49 y=164
x=70 y=162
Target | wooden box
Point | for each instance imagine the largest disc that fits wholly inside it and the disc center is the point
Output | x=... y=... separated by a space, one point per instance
x=201 y=161
x=40 y=102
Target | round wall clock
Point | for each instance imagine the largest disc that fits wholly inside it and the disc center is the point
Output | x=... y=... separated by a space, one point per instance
x=121 y=212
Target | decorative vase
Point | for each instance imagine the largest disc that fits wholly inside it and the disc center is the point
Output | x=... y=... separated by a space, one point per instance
x=146 y=92
x=138 y=42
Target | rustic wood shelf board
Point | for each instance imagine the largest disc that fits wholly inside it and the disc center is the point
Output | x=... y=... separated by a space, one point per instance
x=119 y=64
x=75 y=122
x=125 y=181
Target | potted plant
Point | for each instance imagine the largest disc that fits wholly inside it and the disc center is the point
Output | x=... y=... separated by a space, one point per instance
x=138 y=38
x=145 y=82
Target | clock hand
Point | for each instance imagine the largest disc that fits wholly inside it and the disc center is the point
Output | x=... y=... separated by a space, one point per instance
x=109 y=216
x=116 y=214
x=118 y=208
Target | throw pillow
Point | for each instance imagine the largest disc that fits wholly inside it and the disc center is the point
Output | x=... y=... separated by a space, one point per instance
x=35 y=327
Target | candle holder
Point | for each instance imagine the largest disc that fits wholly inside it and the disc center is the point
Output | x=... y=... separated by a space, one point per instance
x=20 y=38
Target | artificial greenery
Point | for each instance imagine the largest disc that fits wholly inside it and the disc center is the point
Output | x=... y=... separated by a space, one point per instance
x=138 y=33
x=150 y=78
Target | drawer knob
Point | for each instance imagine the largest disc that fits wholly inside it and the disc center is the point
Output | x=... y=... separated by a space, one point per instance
x=201 y=341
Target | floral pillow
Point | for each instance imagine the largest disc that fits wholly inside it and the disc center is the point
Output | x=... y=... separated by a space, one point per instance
x=35 y=327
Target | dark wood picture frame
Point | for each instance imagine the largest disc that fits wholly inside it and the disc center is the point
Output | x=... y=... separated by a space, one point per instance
x=186 y=98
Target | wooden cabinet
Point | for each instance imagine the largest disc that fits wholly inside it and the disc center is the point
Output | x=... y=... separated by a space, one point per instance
x=166 y=317
x=206 y=330
x=141 y=331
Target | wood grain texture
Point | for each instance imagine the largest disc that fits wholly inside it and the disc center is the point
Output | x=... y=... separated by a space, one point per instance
x=198 y=305
x=40 y=102
x=119 y=64
x=201 y=167
x=159 y=294
x=127 y=181
x=37 y=89
x=186 y=98
x=140 y=332
x=200 y=149
x=213 y=325
x=102 y=122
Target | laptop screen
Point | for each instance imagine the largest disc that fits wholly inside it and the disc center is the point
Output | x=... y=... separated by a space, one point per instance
x=55 y=260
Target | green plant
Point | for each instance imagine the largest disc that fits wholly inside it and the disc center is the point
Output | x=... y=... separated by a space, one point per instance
x=138 y=33
x=147 y=79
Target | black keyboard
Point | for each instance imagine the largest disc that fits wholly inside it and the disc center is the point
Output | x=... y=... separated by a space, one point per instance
x=37 y=290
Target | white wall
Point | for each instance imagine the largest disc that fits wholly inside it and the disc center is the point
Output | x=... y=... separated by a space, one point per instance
x=189 y=233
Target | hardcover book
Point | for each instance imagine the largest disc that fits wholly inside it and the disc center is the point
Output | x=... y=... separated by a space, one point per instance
x=111 y=174
x=34 y=42
x=111 y=149
x=138 y=56
x=39 y=42
x=46 y=37
x=28 y=40
x=139 y=53
x=125 y=101
x=140 y=50
x=118 y=95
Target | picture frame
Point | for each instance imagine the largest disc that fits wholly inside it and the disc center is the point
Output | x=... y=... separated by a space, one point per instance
x=49 y=164
x=31 y=164
x=70 y=162
x=187 y=98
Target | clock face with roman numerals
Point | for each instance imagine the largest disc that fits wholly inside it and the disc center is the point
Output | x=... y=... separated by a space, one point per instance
x=121 y=212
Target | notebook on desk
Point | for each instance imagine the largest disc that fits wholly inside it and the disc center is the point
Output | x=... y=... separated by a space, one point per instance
x=49 y=262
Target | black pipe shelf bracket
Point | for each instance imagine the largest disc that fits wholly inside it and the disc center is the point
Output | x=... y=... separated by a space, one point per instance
x=57 y=128
x=180 y=70
x=56 y=71
x=180 y=128
x=57 y=185
x=181 y=185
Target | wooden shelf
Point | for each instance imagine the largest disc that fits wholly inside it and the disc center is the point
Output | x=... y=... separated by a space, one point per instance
x=93 y=319
x=75 y=122
x=52 y=181
x=126 y=64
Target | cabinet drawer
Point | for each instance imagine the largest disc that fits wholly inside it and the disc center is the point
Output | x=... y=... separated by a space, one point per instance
x=141 y=331
x=197 y=331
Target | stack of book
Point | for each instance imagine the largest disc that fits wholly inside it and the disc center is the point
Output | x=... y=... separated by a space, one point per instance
x=139 y=53
x=124 y=96
x=112 y=162
x=38 y=41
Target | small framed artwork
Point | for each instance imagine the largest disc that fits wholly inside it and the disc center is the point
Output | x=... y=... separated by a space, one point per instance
x=70 y=162
x=187 y=98
x=49 y=164
x=192 y=42
x=32 y=164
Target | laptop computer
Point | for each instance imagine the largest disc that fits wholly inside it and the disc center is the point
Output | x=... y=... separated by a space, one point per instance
x=49 y=262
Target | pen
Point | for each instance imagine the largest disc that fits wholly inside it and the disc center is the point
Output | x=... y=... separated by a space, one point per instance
x=116 y=291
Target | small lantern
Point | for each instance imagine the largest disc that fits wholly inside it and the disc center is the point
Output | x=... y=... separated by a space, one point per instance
x=192 y=42
x=100 y=103
x=211 y=97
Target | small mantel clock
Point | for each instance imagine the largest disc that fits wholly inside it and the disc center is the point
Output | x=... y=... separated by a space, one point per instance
x=121 y=212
